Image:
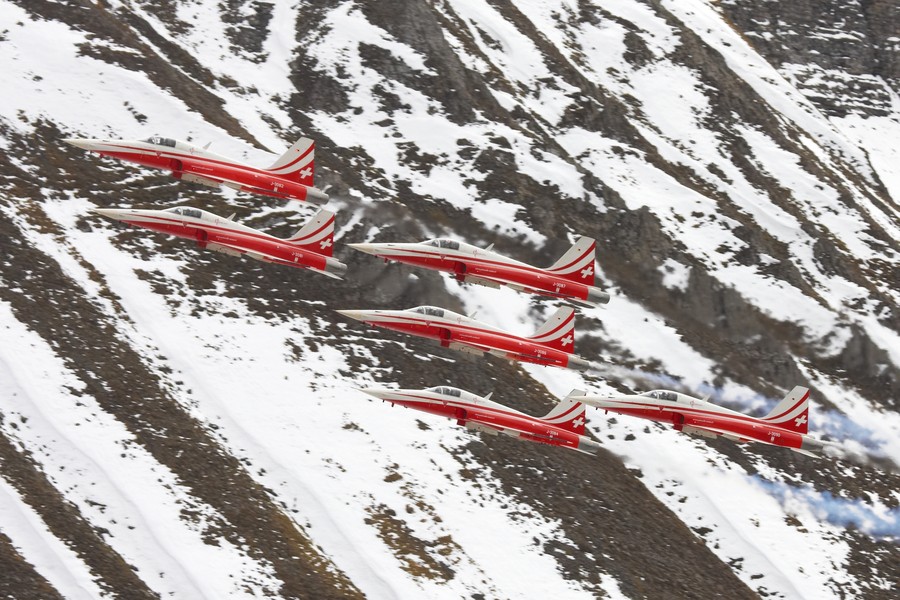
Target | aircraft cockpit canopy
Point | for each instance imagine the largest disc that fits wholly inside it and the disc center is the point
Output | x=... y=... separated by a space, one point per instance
x=430 y=311
x=444 y=243
x=187 y=212
x=446 y=391
x=160 y=141
x=662 y=395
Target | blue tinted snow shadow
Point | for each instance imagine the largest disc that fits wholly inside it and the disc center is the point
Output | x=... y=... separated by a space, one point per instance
x=845 y=513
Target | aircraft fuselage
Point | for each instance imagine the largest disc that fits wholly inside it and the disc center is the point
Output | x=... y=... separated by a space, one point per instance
x=223 y=235
x=461 y=333
x=484 y=267
x=696 y=416
x=194 y=164
x=485 y=415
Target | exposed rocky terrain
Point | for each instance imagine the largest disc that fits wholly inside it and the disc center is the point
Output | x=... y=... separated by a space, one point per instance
x=183 y=424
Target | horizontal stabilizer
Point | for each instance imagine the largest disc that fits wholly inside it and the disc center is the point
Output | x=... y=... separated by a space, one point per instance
x=466 y=349
x=223 y=249
x=806 y=453
x=192 y=178
x=474 y=426
x=326 y=274
x=700 y=431
x=481 y=281
x=258 y=256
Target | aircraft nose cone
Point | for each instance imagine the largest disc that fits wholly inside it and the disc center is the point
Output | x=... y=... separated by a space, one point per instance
x=367 y=248
x=112 y=213
x=378 y=393
x=608 y=402
x=84 y=144
x=359 y=315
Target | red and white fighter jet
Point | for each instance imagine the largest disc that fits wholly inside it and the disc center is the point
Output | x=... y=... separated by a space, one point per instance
x=570 y=278
x=310 y=248
x=552 y=345
x=562 y=426
x=290 y=177
x=786 y=425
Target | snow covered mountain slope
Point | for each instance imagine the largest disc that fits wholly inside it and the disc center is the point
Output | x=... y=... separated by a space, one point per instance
x=178 y=423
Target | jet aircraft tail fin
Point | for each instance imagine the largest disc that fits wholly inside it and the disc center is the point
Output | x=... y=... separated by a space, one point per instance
x=298 y=163
x=317 y=235
x=793 y=412
x=577 y=264
x=569 y=414
x=558 y=331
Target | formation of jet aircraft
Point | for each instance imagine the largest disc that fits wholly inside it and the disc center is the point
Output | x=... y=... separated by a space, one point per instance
x=552 y=344
x=290 y=177
x=571 y=278
x=562 y=426
x=310 y=248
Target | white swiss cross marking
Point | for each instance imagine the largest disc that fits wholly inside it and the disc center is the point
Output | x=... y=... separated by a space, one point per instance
x=587 y=271
x=800 y=420
x=578 y=422
x=566 y=340
x=307 y=172
x=325 y=243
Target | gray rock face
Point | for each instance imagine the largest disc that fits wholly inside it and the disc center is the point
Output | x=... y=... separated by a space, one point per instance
x=844 y=56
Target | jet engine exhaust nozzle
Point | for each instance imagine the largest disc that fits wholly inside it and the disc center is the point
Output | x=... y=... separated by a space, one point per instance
x=316 y=196
x=579 y=364
x=335 y=267
x=595 y=296
x=588 y=446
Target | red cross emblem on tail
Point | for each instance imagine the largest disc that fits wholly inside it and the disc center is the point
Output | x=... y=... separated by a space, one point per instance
x=577 y=264
x=792 y=413
x=568 y=415
x=318 y=231
x=558 y=331
x=298 y=163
